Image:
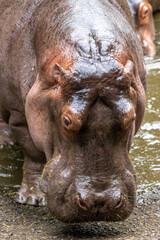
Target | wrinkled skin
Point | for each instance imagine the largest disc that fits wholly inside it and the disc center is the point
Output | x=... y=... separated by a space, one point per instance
x=142 y=11
x=74 y=97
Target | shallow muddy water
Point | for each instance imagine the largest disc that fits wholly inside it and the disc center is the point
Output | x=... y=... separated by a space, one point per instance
x=11 y=161
x=145 y=151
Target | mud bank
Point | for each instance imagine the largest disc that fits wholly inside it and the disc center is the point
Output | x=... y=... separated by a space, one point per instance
x=21 y=222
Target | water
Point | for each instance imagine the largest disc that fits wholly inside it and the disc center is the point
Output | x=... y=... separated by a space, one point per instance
x=11 y=161
x=145 y=151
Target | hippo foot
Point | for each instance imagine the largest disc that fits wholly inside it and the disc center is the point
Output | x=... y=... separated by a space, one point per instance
x=30 y=194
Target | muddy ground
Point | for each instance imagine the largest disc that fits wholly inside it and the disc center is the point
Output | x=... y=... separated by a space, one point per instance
x=21 y=222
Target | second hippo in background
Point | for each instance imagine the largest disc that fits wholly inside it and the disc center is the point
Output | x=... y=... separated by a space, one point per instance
x=142 y=11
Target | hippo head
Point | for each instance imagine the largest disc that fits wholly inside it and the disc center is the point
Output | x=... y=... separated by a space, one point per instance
x=146 y=28
x=84 y=119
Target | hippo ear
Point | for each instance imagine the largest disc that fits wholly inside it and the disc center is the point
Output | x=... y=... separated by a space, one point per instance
x=144 y=13
x=58 y=72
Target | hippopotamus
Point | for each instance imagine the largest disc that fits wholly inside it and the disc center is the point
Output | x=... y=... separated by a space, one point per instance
x=142 y=11
x=73 y=85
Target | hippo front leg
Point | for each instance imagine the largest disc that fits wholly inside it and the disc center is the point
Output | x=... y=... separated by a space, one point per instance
x=34 y=160
x=30 y=192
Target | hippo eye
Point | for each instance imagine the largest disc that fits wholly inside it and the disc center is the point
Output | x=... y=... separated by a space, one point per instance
x=71 y=122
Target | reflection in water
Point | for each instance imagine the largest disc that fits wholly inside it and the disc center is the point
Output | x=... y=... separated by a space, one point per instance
x=11 y=160
x=145 y=151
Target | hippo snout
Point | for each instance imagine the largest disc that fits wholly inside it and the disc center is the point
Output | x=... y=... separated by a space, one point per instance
x=109 y=205
x=113 y=203
x=79 y=198
x=103 y=201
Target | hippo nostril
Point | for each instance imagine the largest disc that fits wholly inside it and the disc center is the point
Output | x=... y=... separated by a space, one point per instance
x=82 y=204
x=119 y=202
x=67 y=121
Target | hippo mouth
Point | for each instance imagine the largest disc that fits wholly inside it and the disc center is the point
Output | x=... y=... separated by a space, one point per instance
x=77 y=198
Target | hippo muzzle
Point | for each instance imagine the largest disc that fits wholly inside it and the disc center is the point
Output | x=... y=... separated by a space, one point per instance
x=80 y=198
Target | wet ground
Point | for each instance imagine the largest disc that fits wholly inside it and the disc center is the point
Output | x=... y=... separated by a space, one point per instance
x=20 y=222
x=32 y=223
